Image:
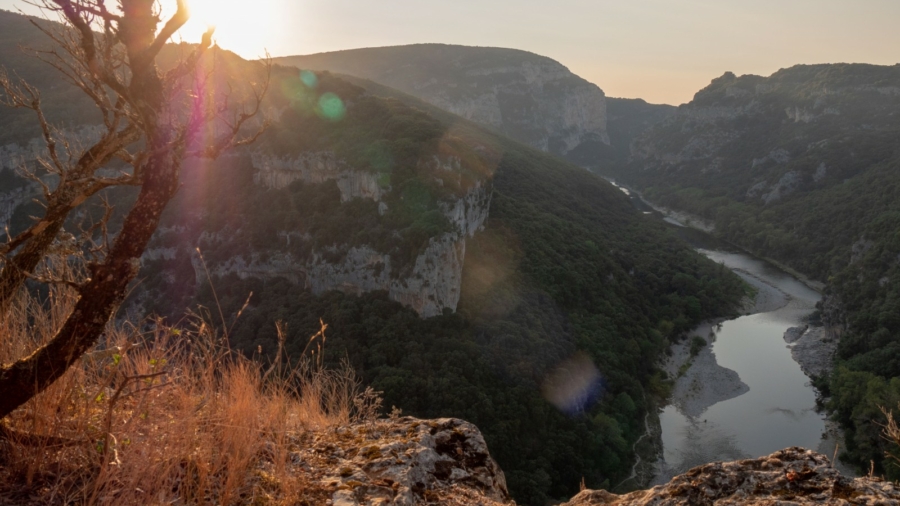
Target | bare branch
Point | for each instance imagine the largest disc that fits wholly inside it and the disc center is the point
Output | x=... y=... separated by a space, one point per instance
x=181 y=16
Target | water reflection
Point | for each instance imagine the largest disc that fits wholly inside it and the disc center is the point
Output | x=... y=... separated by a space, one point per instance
x=777 y=411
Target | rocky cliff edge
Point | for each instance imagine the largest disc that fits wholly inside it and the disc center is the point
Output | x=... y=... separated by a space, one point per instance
x=406 y=461
x=794 y=476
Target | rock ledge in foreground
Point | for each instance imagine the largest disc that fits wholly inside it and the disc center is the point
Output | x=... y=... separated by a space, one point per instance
x=407 y=461
x=794 y=476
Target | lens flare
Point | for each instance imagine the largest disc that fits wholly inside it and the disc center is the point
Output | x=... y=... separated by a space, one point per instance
x=573 y=385
x=331 y=107
x=309 y=78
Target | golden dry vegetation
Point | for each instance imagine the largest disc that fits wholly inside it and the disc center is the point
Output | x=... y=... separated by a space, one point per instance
x=166 y=415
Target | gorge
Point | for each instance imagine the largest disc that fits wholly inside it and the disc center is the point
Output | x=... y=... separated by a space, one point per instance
x=468 y=266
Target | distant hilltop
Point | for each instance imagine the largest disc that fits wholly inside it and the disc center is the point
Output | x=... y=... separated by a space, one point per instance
x=531 y=98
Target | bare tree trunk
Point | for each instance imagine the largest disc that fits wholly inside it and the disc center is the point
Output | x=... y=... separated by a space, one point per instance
x=145 y=109
x=22 y=380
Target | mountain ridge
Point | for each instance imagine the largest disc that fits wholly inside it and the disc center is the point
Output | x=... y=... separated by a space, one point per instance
x=529 y=97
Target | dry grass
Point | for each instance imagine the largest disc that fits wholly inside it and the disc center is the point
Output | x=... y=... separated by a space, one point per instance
x=159 y=415
x=891 y=432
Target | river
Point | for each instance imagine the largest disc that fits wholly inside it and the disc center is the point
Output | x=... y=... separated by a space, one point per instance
x=744 y=396
x=777 y=408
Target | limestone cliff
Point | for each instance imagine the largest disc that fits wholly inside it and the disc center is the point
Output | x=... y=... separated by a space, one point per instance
x=528 y=97
x=15 y=190
x=429 y=285
x=274 y=172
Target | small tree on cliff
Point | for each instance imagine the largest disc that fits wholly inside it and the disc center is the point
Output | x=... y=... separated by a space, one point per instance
x=152 y=120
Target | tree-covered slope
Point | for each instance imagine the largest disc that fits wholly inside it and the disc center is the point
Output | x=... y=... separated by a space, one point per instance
x=565 y=268
x=803 y=167
x=566 y=295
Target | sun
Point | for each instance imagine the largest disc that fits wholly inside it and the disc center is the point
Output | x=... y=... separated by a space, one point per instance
x=209 y=12
x=239 y=28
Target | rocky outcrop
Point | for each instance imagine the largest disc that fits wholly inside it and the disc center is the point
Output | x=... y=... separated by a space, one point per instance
x=528 y=97
x=313 y=168
x=407 y=461
x=429 y=284
x=404 y=461
x=792 y=476
x=436 y=277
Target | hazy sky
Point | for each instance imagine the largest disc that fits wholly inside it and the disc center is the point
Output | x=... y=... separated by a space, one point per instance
x=659 y=50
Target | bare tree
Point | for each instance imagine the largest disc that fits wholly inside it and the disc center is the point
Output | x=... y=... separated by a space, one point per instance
x=151 y=123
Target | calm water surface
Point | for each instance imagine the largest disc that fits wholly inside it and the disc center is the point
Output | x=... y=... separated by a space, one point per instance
x=779 y=409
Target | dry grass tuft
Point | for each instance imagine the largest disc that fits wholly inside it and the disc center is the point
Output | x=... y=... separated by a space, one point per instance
x=891 y=432
x=163 y=415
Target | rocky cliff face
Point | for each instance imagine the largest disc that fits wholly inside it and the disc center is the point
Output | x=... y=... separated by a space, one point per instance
x=15 y=191
x=274 y=172
x=528 y=97
x=539 y=103
x=429 y=286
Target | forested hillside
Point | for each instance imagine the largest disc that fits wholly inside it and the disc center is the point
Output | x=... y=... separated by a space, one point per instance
x=352 y=206
x=564 y=267
x=803 y=167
